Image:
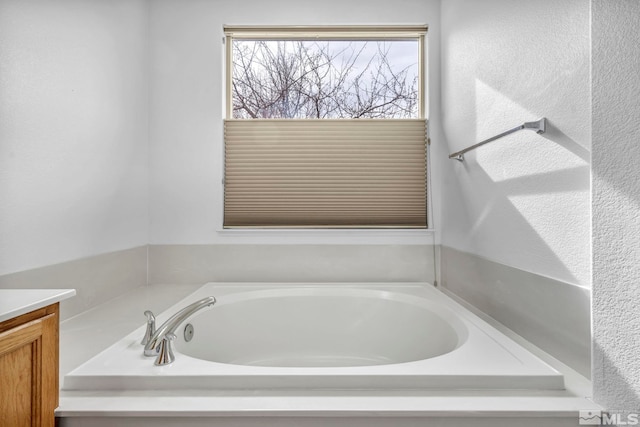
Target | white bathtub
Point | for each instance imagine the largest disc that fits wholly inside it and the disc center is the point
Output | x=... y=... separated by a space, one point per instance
x=324 y=336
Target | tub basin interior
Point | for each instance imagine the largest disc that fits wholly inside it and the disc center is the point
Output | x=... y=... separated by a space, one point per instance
x=315 y=327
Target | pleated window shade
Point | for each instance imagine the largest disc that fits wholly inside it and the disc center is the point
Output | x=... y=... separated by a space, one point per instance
x=362 y=173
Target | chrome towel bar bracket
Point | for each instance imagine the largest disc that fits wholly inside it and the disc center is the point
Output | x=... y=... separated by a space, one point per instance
x=539 y=126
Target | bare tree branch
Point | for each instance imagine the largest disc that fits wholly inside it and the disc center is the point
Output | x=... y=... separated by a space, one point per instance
x=300 y=79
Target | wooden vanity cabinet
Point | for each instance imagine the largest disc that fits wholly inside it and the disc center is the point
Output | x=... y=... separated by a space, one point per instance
x=29 y=368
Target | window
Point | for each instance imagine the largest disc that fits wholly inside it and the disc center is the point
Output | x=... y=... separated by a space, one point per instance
x=325 y=128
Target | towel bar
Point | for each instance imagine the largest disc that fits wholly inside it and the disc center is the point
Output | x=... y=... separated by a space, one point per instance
x=539 y=126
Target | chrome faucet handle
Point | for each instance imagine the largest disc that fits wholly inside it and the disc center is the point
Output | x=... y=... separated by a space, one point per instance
x=165 y=351
x=169 y=327
x=151 y=327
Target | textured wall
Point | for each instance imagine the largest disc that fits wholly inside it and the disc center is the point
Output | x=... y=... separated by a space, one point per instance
x=73 y=129
x=616 y=203
x=522 y=201
x=187 y=93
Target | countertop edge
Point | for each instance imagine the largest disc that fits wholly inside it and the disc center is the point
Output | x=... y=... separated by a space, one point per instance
x=15 y=302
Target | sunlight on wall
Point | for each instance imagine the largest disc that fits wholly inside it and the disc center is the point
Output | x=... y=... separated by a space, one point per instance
x=526 y=167
x=542 y=213
x=518 y=155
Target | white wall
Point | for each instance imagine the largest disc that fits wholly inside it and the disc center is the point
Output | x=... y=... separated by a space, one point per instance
x=186 y=112
x=73 y=129
x=616 y=204
x=522 y=201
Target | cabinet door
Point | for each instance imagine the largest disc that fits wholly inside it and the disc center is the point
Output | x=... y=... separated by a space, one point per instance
x=28 y=363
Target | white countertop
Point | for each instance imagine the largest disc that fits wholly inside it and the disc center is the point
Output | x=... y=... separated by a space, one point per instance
x=14 y=302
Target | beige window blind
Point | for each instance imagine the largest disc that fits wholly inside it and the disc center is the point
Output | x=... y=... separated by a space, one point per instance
x=365 y=173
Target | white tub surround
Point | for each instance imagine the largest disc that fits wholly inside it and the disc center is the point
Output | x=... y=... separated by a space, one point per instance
x=295 y=262
x=14 y=302
x=468 y=353
x=96 y=279
x=531 y=305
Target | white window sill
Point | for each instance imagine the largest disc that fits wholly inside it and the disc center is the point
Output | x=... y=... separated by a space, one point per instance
x=327 y=236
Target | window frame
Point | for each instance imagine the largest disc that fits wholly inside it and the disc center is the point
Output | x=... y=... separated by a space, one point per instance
x=342 y=33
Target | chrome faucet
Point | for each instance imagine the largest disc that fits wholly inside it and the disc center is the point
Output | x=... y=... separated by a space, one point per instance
x=159 y=342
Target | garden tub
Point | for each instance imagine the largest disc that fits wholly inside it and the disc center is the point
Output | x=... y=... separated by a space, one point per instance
x=322 y=336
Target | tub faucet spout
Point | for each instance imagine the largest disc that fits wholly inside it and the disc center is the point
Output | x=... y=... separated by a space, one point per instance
x=168 y=328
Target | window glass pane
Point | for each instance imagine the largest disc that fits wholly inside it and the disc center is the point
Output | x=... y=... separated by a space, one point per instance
x=329 y=79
